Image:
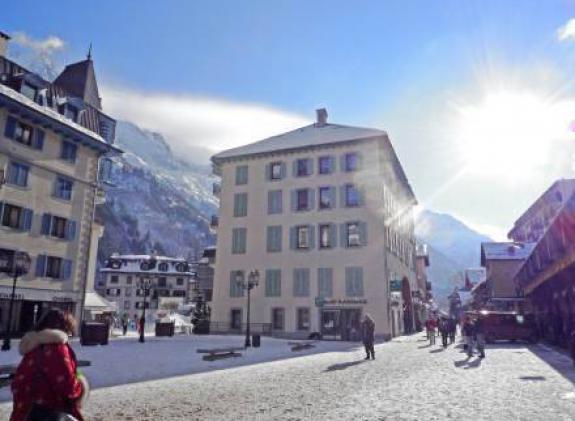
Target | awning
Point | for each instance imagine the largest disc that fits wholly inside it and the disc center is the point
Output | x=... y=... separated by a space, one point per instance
x=95 y=302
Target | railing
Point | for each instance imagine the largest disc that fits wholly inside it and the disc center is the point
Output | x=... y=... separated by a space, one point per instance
x=227 y=328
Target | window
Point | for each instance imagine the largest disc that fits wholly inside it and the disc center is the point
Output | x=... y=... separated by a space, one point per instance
x=68 y=152
x=18 y=174
x=274 y=202
x=53 y=267
x=236 y=318
x=303 y=167
x=114 y=279
x=353 y=235
x=28 y=91
x=303 y=237
x=179 y=293
x=352 y=196
x=326 y=197
x=71 y=112
x=236 y=289
x=326 y=232
x=325 y=164
x=162 y=282
x=301 y=282
x=63 y=188
x=129 y=280
x=241 y=175
x=128 y=292
x=276 y=171
x=239 y=241
x=240 y=204
x=58 y=227
x=324 y=282
x=180 y=281
x=274 y=239
x=113 y=292
x=140 y=305
x=23 y=133
x=278 y=316
x=302 y=199
x=351 y=161
x=127 y=305
x=302 y=319
x=354 y=281
x=16 y=217
x=273 y=283
x=140 y=292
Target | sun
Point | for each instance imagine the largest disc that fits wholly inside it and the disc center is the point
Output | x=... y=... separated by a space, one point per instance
x=508 y=134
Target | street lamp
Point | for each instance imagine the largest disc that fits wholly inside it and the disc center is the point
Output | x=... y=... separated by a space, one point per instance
x=252 y=282
x=144 y=284
x=20 y=266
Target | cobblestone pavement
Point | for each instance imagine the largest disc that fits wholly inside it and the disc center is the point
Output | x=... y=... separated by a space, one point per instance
x=409 y=380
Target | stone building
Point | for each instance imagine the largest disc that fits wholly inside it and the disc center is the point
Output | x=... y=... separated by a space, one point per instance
x=170 y=279
x=325 y=214
x=54 y=140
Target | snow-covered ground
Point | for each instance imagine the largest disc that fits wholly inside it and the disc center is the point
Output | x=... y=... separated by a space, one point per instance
x=409 y=381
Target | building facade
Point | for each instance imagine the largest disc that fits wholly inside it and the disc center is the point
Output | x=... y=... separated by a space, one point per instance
x=170 y=278
x=422 y=294
x=204 y=269
x=54 y=140
x=325 y=214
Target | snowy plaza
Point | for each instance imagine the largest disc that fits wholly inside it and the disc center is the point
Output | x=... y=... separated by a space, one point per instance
x=165 y=378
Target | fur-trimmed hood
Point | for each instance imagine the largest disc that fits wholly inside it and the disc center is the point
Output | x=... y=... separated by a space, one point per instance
x=34 y=339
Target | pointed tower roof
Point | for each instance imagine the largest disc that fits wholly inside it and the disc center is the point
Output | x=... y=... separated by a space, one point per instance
x=79 y=79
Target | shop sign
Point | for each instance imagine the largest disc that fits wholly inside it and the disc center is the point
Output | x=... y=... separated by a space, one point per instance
x=62 y=299
x=320 y=302
x=395 y=285
x=4 y=296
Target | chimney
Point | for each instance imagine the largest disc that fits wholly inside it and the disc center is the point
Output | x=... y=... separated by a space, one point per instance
x=321 y=117
x=4 y=38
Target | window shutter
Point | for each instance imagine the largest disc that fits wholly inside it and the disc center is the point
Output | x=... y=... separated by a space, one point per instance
x=22 y=176
x=268 y=172
x=71 y=230
x=10 y=127
x=41 y=265
x=38 y=139
x=343 y=235
x=310 y=199
x=332 y=196
x=333 y=235
x=342 y=196
x=363 y=233
x=270 y=239
x=46 y=222
x=12 y=176
x=26 y=221
x=294 y=168
x=310 y=166
x=359 y=281
x=311 y=236
x=283 y=170
x=271 y=202
x=359 y=160
x=293 y=196
x=332 y=164
x=292 y=238
x=66 y=273
x=342 y=163
x=361 y=196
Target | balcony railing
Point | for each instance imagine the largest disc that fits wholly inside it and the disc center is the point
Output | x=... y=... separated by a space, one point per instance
x=215 y=221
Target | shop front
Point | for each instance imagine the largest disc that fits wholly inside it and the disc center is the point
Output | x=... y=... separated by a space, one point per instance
x=30 y=305
x=340 y=319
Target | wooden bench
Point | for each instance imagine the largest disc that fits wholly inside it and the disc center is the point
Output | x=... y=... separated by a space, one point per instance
x=7 y=372
x=219 y=353
x=301 y=345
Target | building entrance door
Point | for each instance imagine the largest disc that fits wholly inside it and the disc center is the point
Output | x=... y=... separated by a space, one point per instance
x=330 y=324
x=30 y=312
x=350 y=320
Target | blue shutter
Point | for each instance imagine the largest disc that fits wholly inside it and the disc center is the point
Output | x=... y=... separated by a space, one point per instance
x=293 y=196
x=268 y=174
x=26 y=221
x=363 y=233
x=271 y=198
x=343 y=235
x=342 y=196
x=293 y=238
x=331 y=164
x=310 y=199
x=40 y=265
x=333 y=235
x=22 y=175
x=71 y=230
x=46 y=222
x=332 y=196
x=12 y=176
x=10 y=127
x=310 y=166
x=38 y=139
x=66 y=273
x=311 y=236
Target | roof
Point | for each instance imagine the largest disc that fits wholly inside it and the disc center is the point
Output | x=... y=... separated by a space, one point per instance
x=79 y=79
x=131 y=264
x=506 y=251
x=5 y=35
x=95 y=301
x=146 y=256
x=304 y=137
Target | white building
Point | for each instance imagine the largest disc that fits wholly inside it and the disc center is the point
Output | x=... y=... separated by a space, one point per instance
x=324 y=213
x=170 y=282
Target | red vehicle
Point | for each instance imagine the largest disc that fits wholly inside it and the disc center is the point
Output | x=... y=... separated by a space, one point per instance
x=508 y=325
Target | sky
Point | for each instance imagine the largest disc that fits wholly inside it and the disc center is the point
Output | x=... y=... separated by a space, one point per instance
x=478 y=97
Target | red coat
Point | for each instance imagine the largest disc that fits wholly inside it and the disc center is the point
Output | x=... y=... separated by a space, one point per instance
x=46 y=375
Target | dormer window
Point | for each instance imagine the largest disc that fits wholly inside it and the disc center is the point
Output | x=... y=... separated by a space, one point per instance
x=29 y=91
x=163 y=267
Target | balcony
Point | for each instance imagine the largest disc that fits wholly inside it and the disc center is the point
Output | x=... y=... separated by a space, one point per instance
x=214 y=222
x=216 y=189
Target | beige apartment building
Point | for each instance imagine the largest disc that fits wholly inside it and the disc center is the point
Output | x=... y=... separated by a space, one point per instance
x=325 y=214
x=53 y=140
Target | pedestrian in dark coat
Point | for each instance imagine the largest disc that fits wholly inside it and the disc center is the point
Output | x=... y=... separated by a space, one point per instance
x=469 y=335
x=479 y=330
x=452 y=328
x=125 y=324
x=444 y=331
x=368 y=336
x=47 y=377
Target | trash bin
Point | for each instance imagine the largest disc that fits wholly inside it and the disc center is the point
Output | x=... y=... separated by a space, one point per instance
x=256 y=341
x=94 y=333
x=165 y=328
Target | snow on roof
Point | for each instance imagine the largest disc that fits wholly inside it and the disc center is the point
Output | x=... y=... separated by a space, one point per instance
x=303 y=137
x=506 y=251
x=145 y=257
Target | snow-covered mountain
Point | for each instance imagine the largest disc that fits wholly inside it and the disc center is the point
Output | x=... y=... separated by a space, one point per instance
x=157 y=201
x=452 y=246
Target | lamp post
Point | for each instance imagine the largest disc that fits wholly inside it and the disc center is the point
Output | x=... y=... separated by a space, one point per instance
x=20 y=266
x=145 y=285
x=252 y=282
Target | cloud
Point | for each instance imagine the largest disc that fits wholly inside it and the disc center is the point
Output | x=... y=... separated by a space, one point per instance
x=567 y=31
x=49 y=44
x=191 y=122
x=38 y=54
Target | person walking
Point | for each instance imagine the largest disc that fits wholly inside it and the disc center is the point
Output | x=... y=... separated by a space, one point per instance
x=479 y=330
x=430 y=327
x=125 y=322
x=452 y=328
x=444 y=331
x=469 y=333
x=47 y=384
x=368 y=336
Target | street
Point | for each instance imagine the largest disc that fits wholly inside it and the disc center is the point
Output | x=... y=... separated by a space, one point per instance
x=409 y=380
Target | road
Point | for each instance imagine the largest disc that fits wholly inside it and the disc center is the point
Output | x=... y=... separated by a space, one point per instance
x=409 y=380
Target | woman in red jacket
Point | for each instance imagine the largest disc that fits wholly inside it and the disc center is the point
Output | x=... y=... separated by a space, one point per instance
x=47 y=378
